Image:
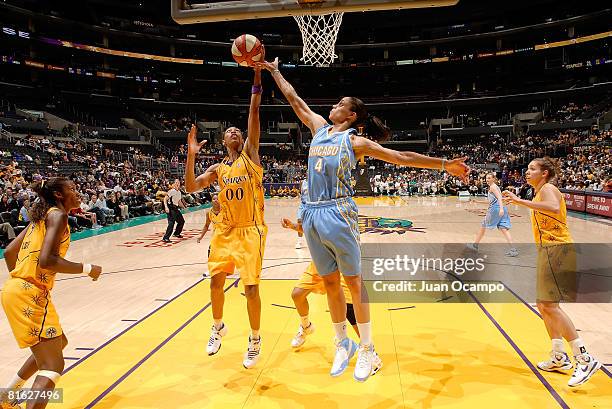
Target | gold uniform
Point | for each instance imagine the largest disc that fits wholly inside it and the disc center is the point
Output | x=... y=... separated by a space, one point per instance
x=311 y=280
x=556 y=263
x=239 y=238
x=26 y=295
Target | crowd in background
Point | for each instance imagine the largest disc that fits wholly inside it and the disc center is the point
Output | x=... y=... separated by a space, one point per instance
x=115 y=187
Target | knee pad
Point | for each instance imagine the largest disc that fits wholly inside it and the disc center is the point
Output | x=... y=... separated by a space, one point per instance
x=53 y=376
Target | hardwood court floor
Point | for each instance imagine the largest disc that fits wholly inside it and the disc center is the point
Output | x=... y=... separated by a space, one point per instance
x=138 y=336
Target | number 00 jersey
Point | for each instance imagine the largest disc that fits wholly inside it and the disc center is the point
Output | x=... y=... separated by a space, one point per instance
x=242 y=193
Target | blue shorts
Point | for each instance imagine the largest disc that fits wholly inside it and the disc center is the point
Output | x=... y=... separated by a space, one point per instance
x=331 y=229
x=494 y=221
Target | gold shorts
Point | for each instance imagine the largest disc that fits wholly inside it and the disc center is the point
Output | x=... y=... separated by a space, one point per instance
x=239 y=248
x=556 y=273
x=312 y=281
x=30 y=312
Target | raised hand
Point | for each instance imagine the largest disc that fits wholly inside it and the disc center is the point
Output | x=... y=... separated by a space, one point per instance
x=270 y=66
x=509 y=197
x=193 y=146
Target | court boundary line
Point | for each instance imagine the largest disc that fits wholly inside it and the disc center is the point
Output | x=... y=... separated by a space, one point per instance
x=536 y=312
x=516 y=348
x=153 y=351
x=107 y=342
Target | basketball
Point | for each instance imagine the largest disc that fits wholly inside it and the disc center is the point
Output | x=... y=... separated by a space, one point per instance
x=248 y=50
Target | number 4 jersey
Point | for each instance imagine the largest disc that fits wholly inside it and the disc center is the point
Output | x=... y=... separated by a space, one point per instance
x=330 y=162
x=242 y=192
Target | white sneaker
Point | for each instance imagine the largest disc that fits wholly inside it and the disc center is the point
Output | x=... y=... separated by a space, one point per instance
x=559 y=361
x=300 y=337
x=5 y=404
x=299 y=244
x=365 y=361
x=586 y=366
x=214 y=342
x=251 y=357
x=376 y=364
x=513 y=252
x=472 y=246
x=345 y=350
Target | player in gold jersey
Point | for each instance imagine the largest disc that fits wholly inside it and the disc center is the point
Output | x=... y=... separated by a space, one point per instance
x=33 y=259
x=213 y=216
x=556 y=270
x=239 y=239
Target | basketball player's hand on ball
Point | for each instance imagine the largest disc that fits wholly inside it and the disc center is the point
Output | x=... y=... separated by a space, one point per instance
x=457 y=167
x=270 y=66
x=509 y=197
x=95 y=272
x=193 y=146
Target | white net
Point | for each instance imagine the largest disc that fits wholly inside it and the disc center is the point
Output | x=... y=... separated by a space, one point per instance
x=319 y=34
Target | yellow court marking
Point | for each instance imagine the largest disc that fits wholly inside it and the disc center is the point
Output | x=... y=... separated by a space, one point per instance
x=93 y=375
x=435 y=355
x=529 y=333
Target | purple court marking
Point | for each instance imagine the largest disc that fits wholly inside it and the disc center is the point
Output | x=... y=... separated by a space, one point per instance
x=131 y=326
x=84 y=349
x=71 y=358
x=150 y=354
x=401 y=308
x=283 y=306
x=129 y=320
x=161 y=299
x=127 y=271
x=536 y=312
x=548 y=386
x=151 y=313
x=516 y=348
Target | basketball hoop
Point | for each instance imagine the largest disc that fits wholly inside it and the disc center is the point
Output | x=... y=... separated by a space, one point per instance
x=319 y=34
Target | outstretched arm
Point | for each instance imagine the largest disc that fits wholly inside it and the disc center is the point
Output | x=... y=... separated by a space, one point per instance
x=302 y=110
x=193 y=183
x=550 y=202
x=252 y=143
x=365 y=147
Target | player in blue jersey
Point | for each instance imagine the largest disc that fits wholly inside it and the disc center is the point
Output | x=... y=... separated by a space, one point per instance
x=330 y=221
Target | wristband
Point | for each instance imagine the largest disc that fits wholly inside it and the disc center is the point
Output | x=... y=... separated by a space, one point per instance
x=256 y=89
x=86 y=268
x=276 y=71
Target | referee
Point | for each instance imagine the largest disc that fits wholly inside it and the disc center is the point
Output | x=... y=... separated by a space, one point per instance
x=173 y=202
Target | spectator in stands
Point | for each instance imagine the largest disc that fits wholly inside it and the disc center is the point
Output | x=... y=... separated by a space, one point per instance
x=24 y=212
x=123 y=207
x=7 y=233
x=102 y=205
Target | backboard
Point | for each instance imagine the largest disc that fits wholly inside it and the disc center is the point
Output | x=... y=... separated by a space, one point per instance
x=186 y=12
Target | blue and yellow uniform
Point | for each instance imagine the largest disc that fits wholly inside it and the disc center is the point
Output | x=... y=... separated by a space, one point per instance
x=329 y=217
x=311 y=280
x=556 y=263
x=493 y=220
x=239 y=237
x=26 y=295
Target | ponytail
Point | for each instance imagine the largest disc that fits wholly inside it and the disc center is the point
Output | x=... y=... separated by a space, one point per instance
x=45 y=190
x=373 y=127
